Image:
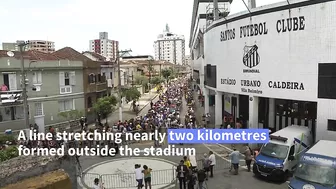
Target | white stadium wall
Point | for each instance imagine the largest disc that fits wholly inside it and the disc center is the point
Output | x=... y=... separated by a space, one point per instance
x=259 y=56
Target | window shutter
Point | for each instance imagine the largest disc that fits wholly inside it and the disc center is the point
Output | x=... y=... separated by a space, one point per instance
x=89 y=79
x=72 y=78
x=39 y=77
x=61 y=79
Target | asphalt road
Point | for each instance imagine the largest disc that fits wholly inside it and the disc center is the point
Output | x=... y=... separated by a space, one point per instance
x=223 y=179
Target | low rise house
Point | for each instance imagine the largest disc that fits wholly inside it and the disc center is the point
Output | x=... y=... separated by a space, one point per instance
x=53 y=85
x=94 y=80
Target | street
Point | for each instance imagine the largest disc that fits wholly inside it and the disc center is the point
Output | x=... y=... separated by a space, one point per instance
x=222 y=177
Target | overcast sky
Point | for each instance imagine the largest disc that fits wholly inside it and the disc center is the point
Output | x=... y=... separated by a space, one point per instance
x=134 y=23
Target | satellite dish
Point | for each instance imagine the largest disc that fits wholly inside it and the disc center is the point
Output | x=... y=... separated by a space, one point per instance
x=10 y=53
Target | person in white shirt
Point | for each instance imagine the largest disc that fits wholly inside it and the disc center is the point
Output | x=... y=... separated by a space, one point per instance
x=139 y=175
x=212 y=160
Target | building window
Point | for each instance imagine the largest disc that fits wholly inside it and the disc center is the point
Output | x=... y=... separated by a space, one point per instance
x=104 y=77
x=326 y=81
x=37 y=77
x=99 y=78
x=92 y=78
x=38 y=109
x=331 y=125
x=67 y=78
x=66 y=105
x=111 y=75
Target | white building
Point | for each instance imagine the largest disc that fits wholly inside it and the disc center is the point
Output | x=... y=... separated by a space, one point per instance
x=170 y=47
x=270 y=68
x=104 y=46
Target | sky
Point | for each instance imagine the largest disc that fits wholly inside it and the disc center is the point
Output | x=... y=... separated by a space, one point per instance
x=72 y=23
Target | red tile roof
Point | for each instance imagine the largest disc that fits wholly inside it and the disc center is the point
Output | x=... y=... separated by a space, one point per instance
x=69 y=53
x=97 y=56
x=31 y=54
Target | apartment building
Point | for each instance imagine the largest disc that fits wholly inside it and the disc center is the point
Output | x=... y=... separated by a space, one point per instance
x=104 y=46
x=170 y=47
x=39 y=45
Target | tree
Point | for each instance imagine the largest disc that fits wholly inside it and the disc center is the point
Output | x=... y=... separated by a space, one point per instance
x=131 y=94
x=104 y=106
x=156 y=80
x=72 y=116
x=142 y=80
x=166 y=73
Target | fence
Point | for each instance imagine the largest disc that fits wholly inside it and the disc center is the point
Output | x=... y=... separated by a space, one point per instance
x=122 y=180
x=221 y=164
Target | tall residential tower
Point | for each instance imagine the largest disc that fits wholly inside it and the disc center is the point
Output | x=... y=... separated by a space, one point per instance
x=170 y=47
x=104 y=46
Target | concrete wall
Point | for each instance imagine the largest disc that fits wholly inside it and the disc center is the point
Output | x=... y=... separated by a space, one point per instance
x=56 y=180
x=25 y=167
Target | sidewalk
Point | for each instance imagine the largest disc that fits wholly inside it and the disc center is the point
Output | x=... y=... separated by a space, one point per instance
x=144 y=103
x=199 y=111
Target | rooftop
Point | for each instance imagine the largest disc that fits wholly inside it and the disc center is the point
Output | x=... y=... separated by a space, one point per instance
x=31 y=54
x=69 y=53
x=95 y=55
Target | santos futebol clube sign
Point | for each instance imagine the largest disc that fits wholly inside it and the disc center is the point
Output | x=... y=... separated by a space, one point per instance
x=251 y=58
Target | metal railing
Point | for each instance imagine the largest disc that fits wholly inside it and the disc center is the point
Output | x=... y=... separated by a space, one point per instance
x=123 y=180
x=220 y=163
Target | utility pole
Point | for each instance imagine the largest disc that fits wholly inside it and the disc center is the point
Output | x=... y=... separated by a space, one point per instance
x=119 y=82
x=132 y=80
x=24 y=83
x=149 y=71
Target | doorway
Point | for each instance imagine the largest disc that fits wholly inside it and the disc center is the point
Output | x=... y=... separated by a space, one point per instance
x=9 y=79
x=244 y=109
x=263 y=112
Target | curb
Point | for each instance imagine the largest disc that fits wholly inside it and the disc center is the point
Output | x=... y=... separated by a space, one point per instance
x=148 y=102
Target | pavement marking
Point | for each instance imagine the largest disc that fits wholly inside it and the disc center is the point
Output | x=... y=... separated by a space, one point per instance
x=221 y=155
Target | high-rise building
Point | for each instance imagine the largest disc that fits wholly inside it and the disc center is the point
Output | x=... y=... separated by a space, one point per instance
x=104 y=46
x=170 y=47
x=39 y=45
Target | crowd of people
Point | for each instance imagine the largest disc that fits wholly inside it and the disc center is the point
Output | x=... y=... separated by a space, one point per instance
x=190 y=174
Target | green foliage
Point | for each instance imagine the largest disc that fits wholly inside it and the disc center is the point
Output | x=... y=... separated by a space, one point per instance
x=71 y=115
x=141 y=80
x=105 y=105
x=9 y=153
x=172 y=77
x=5 y=138
x=166 y=73
x=131 y=94
x=150 y=68
x=156 y=80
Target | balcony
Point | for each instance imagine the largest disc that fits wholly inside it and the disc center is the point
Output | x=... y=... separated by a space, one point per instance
x=11 y=97
x=96 y=87
x=101 y=87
